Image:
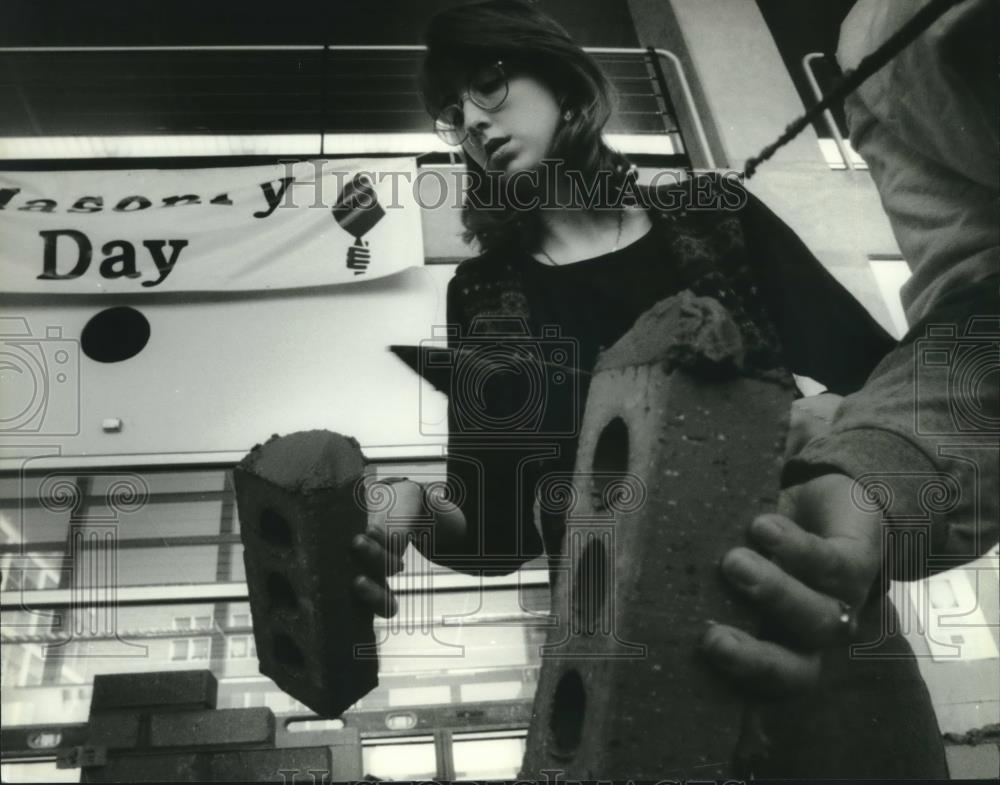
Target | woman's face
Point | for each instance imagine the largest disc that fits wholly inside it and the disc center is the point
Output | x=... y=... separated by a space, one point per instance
x=518 y=134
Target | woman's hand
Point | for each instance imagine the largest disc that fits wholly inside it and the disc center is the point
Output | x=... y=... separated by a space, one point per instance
x=394 y=525
x=379 y=551
x=809 y=566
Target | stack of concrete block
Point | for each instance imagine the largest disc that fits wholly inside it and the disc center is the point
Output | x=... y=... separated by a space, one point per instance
x=696 y=441
x=152 y=727
x=300 y=507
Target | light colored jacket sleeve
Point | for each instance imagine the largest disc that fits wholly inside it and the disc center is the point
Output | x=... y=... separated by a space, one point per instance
x=927 y=125
x=921 y=434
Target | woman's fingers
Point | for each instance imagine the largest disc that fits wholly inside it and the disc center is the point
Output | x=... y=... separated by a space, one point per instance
x=760 y=666
x=376 y=565
x=375 y=596
x=394 y=526
x=374 y=559
x=808 y=618
x=449 y=521
x=378 y=552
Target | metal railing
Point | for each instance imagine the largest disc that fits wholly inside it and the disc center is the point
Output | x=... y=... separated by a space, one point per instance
x=308 y=140
x=828 y=118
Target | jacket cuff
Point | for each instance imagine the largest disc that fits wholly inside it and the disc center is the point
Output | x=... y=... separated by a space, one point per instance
x=895 y=477
x=856 y=452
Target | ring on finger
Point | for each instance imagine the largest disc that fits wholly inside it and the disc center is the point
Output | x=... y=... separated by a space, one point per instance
x=848 y=621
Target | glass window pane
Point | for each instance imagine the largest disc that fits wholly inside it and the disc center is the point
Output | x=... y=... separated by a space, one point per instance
x=147 y=504
x=238 y=646
x=205 y=482
x=492 y=691
x=40 y=771
x=153 y=566
x=29 y=521
x=419 y=696
x=199 y=649
x=231 y=563
x=487 y=758
x=442 y=648
x=70 y=647
x=400 y=760
x=166 y=518
x=39 y=570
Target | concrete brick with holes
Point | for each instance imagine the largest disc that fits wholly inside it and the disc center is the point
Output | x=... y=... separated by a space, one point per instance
x=164 y=727
x=300 y=506
x=680 y=447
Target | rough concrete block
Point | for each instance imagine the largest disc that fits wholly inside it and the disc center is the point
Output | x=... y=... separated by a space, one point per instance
x=244 y=766
x=219 y=728
x=299 y=510
x=973 y=762
x=81 y=757
x=304 y=764
x=162 y=690
x=680 y=448
x=115 y=729
x=179 y=767
x=345 y=748
x=347 y=759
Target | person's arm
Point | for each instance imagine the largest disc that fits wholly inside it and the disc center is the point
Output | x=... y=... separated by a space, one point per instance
x=491 y=472
x=826 y=334
x=819 y=556
x=892 y=429
x=809 y=571
x=484 y=524
x=918 y=436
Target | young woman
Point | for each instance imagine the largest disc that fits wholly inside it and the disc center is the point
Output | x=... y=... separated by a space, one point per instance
x=573 y=251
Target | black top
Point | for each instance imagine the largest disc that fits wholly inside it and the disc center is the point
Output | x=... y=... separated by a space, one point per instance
x=783 y=292
x=775 y=288
x=595 y=301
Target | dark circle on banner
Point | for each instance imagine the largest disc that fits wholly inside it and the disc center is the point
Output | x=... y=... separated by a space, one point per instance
x=115 y=334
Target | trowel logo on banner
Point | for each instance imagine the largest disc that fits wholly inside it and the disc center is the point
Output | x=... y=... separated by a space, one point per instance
x=356 y=211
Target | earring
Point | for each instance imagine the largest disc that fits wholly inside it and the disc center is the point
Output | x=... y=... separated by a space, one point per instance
x=568 y=115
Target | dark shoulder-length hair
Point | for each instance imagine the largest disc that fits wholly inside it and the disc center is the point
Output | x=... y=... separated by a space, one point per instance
x=462 y=39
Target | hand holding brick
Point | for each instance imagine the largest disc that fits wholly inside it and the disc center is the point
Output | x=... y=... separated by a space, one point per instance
x=671 y=407
x=299 y=510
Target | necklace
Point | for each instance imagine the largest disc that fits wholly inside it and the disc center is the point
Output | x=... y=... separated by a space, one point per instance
x=618 y=239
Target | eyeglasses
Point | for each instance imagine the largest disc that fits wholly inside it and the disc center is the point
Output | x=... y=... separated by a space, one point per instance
x=487 y=89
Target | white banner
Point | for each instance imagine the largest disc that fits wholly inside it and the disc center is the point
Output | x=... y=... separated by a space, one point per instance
x=181 y=230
